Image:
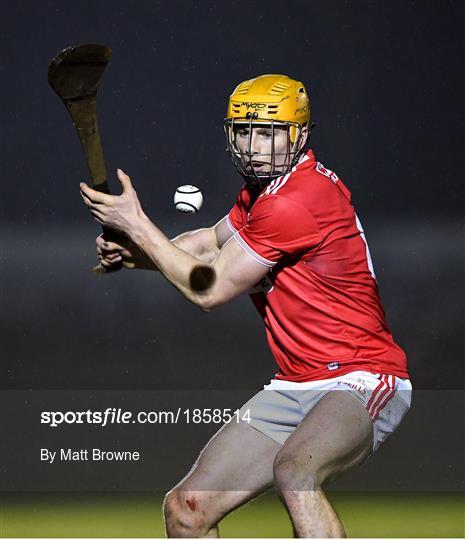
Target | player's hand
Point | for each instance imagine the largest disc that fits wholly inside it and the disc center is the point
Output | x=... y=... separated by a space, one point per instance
x=111 y=255
x=119 y=212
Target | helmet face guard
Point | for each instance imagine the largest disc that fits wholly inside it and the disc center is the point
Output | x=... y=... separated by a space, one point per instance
x=279 y=163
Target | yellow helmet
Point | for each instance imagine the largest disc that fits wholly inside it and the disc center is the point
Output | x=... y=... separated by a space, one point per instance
x=275 y=101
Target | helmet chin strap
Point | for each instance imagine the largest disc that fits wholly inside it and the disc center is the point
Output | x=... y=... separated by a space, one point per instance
x=257 y=183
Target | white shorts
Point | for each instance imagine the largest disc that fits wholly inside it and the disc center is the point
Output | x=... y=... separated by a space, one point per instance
x=277 y=410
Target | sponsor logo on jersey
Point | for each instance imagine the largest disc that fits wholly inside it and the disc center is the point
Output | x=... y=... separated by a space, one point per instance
x=333 y=365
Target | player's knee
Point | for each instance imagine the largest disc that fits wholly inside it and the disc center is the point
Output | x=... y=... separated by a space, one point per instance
x=184 y=515
x=293 y=474
x=170 y=508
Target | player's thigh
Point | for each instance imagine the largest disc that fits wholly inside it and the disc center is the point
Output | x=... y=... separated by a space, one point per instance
x=334 y=436
x=235 y=466
x=237 y=457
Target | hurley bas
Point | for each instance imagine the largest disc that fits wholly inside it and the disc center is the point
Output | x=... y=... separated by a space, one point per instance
x=84 y=454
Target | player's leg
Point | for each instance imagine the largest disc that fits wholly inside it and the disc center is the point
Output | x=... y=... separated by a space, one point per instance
x=334 y=436
x=235 y=466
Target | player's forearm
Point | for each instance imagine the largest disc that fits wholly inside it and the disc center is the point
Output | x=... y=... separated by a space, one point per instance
x=201 y=244
x=191 y=276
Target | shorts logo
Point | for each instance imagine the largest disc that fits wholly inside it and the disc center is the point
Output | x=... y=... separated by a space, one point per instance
x=360 y=389
x=333 y=365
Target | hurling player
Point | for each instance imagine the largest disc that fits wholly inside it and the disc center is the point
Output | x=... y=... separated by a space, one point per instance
x=292 y=241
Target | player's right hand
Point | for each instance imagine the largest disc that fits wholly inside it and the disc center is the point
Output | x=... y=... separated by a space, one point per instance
x=112 y=255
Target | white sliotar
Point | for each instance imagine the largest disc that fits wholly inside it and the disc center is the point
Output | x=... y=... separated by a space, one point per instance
x=188 y=199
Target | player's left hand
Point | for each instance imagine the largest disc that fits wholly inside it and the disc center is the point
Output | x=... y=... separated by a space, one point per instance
x=119 y=212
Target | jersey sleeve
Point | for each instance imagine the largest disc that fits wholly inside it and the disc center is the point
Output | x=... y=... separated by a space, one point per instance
x=278 y=226
x=234 y=218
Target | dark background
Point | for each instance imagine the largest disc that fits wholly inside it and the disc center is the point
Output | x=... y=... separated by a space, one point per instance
x=386 y=85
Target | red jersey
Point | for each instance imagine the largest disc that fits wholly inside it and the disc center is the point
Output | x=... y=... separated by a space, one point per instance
x=320 y=301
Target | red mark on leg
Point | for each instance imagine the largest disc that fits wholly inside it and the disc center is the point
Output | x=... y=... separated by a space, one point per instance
x=191 y=504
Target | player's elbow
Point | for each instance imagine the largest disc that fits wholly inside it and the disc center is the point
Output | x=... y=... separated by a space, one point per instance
x=209 y=291
x=202 y=281
x=208 y=302
x=212 y=299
